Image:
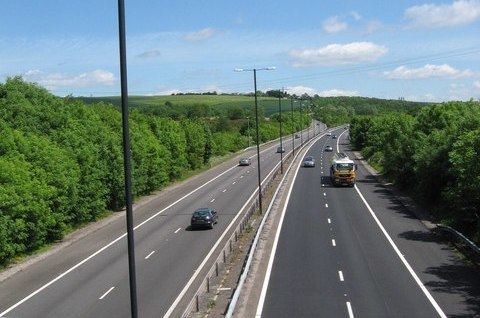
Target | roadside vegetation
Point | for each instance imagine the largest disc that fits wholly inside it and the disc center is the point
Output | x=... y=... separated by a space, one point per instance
x=433 y=153
x=61 y=162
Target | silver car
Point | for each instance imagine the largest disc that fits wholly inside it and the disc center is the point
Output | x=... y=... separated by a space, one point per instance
x=328 y=148
x=245 y=162
x=280 y=150
x=309 y=161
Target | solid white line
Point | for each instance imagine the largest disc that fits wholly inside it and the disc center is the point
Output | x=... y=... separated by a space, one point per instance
x=106 y=293
x=329 y=221
x=350 y=311
x=340 y=275
x=266 y=281
x=224 y=190
x=212 y=200
x=234 y=182
x=177 y=230
x=119 y=238
x=148 y=256
x=334 y=243
x=338 y=140
x=402 y=258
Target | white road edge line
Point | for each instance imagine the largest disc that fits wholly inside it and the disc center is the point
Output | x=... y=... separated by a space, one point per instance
x=266 y=280
x=177 y=230
x=349 y=309
x=340 y=276
x=106 y=293
x=395 y=248
x=148 y=256
x=118 y=239
x=194 y=276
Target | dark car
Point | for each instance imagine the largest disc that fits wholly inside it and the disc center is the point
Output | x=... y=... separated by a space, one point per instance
x=280 y=150
x=309 y=161
x=334 y=136
x=328 y=148
x=245 y=162
x=204 y=217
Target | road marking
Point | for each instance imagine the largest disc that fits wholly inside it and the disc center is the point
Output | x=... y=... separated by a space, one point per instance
x=340 y=275
x=326 y=205
x=234 y=182
x=224 y=288
x=334 y=243
x=148 y=256
x=324 y=194
x=177 y=230
x=266 y=280
x=224 y=190
x=241 y=176
x=212 y=200
x=323 y=185
x=402 y=258
x=248 y=171
x=350 y=311
x=329 y=221
x=106 y=293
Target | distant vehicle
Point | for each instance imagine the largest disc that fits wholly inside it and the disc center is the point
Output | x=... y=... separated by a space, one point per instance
x=343 y=170
x=334 y=136
x=204 y=217
x=328 y=148
x=280 y=150
x=297 y=136
x=309 y=161
x=245 y=162
x=329 y=134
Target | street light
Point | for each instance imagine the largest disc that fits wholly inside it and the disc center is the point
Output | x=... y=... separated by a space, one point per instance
x=248 y=119
x=254 y=70
x=126 y=159
x=281 y=139
x=293 y=127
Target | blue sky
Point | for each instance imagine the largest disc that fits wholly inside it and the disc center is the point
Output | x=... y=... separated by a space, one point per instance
x=419 y=50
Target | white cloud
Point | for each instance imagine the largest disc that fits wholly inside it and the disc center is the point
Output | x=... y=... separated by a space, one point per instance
x=476 y=84
x=460 y=12
x=355 y=15
x=166 y=92
x=149 y=54
x=334 y=54
x=427 y=71
x=300 y=90
x=334 y=25
x=200 y=35
x=55 y=80
x=373 y=26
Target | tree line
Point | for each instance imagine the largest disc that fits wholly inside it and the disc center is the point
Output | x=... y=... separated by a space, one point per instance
x=433 y=153
x=61 y=162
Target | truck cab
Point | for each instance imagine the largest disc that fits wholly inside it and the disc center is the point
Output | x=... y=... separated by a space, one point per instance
x=343 y=170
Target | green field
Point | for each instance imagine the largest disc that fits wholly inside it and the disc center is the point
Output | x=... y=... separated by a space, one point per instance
x=269 y=105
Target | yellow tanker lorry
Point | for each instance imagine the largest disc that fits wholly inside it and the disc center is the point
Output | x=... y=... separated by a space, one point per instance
x=343 y=170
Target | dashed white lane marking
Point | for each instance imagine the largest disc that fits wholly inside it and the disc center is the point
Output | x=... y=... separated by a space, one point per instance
x=340 y=275
x=178 y=230
x=323 y=185
x=148 y=256
x=248 y=171
x=241 y=177
x=106 y=293
x=224 y=190
x=234 y=182
x=212 y=200
x=334 y=243
x=224 y=288
x=350 y=311
x=326 y=205
x=329 y=221
x=324 y=194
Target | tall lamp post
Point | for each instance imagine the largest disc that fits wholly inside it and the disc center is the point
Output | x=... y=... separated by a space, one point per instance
x=126 y=159
x=254 y=70
x=281 y=139
x=248 y=118
x=293 y=127
x=301 y=122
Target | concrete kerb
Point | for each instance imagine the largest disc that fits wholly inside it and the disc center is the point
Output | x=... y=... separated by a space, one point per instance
x=225 y=251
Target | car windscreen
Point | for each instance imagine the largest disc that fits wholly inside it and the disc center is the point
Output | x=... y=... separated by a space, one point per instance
x=201 y=213
x=308 y=158
x=344 y=166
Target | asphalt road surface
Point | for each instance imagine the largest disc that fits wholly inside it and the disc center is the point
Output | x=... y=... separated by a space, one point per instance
x=356 y=252
x=90 y=277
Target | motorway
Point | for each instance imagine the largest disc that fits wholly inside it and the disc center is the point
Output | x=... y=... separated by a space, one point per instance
x=357 y=252
x=89 y=278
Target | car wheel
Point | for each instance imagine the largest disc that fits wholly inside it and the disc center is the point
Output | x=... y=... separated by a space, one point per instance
x=211 y=226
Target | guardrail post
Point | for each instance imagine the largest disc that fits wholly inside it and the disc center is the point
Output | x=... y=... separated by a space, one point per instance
x=208 y=284
x=230 y=245
x=197 y=307
x=236 y=238
x=224 y=257
x=216 y=268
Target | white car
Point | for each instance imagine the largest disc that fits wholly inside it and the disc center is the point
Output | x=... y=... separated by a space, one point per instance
x=329 y=134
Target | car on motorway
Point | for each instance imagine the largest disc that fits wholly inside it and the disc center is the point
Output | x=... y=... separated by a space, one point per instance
x=309 y=161
x=245 y=162
x=329 y=134
x=204 y=217
x=328 y=148
x=280 y=150
x=297 y=136
x=334 y=136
